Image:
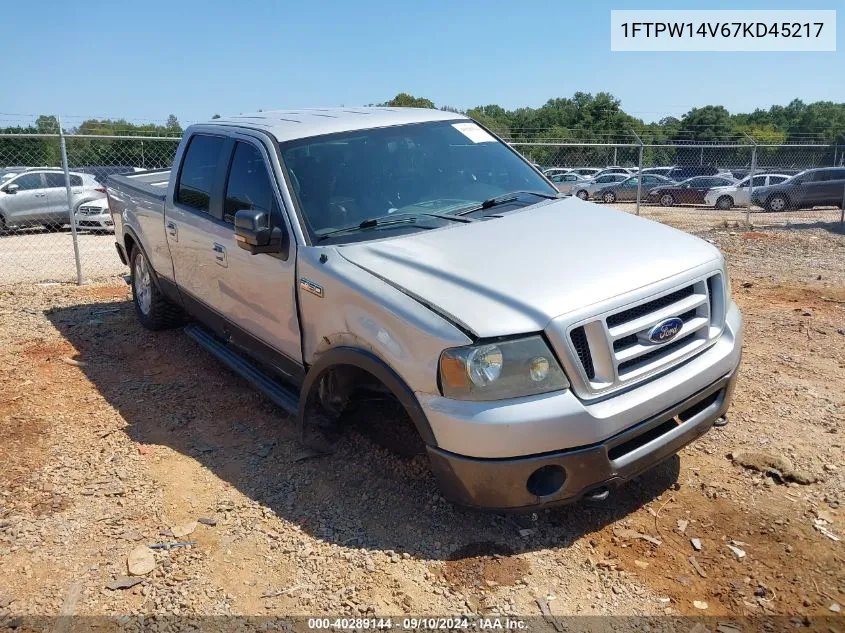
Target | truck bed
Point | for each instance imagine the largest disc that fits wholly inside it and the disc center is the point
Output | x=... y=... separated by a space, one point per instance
x=152 y=183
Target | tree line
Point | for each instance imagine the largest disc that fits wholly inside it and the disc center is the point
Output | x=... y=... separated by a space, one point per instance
x=582 y=118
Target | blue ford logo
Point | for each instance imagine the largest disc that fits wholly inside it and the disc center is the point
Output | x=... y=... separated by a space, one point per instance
x=665 y=330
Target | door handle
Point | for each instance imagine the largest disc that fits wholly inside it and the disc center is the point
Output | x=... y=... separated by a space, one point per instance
x=173 y=231
x=220 y=254
x=40 y=195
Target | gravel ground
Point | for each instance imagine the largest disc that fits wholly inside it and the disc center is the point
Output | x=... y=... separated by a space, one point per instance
x=113 y=438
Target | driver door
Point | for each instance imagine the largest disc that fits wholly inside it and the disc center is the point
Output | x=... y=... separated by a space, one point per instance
x=27 y=203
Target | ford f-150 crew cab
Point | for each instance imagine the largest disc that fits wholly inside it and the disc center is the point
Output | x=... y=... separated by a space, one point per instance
x=546 y=349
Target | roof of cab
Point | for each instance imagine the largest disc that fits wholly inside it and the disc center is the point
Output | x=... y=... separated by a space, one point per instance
x=288 y=125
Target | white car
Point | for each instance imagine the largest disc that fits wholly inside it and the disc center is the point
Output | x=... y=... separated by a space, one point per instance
x=95 y=215
x=737 y=195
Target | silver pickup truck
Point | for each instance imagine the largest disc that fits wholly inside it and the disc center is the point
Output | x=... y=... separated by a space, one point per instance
x=545 y=349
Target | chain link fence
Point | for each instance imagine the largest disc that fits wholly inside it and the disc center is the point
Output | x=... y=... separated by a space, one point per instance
x=54 y=219
x=55 y=225
x=702 y=184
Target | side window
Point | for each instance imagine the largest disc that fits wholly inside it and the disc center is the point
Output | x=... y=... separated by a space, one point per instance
x=603 y=179
x=836 y=174
x=776 y=180
x=54 y=180
x=570 y=178
x=196 y=179
x=249 y=186
x=75 y=181
x=28 y=182
x=557 y=178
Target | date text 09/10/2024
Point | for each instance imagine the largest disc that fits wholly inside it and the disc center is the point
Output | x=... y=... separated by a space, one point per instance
x=418 y=623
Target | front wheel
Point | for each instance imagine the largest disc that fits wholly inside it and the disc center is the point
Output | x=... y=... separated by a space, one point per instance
x=777 y=202
x=582 y=194
x=609 y=197
x=724 y=203
x=667 y=200
x=154 y=310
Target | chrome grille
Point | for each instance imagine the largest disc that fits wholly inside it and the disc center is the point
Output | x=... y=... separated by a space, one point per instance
x=613 y=349
x=92 y=210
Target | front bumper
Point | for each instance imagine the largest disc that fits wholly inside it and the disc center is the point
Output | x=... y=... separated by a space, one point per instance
x=102 y=222
x=503 y=484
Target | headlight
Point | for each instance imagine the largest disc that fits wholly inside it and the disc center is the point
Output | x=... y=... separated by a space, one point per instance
x=495 y=371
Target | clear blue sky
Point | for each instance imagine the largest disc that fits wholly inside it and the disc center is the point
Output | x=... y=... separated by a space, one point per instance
x=143 y=60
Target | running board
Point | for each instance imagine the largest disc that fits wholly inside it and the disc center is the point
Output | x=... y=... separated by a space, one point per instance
x=284 y=398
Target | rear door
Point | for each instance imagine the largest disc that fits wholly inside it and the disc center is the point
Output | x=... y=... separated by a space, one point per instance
x=191 y=224
x=834 y=190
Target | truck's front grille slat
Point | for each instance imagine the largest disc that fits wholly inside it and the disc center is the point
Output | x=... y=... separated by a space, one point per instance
x=630 y=355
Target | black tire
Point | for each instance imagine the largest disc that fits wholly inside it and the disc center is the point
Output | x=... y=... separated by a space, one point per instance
x=667 y=200
x=777 y=202
x=609 y=197
x=154 y=310
x=724 y=203
x=583 y=195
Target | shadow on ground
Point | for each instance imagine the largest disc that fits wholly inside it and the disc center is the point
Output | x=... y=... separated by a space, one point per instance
x=171 y=392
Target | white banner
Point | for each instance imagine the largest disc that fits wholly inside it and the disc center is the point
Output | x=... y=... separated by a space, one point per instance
x=723 y=30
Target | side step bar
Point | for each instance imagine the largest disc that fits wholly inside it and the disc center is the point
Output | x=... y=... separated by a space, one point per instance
x=284 y=398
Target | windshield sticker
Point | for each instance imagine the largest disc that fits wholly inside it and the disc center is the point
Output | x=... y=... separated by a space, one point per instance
x=474 y=133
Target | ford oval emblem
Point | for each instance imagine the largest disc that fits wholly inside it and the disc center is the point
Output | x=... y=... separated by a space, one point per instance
x=666 y=330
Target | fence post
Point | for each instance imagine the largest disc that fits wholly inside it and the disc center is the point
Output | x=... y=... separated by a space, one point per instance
x=639 y=170
x=751 y=179
x=63 y=146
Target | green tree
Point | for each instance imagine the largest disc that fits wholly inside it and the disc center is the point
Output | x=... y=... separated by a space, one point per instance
x=404 y=100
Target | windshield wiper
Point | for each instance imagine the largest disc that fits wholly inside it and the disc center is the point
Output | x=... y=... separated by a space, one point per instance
x=504 y=199
x=391 y=220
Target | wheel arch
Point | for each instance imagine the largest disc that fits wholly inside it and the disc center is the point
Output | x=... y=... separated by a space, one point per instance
x=363 y=360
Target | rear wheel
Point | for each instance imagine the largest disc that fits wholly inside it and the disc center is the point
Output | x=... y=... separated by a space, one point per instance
x=609 y=197
x=582 y=194
x=154 y=310
x=777 y=202
x=724 y=203
x=667 y=200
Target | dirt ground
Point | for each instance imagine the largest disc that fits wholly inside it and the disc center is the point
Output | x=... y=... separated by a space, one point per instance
x=112 y=437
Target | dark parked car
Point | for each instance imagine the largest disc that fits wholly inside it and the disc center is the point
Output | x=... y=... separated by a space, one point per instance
x=679 y=174
x=690 y=191
x=627 y=189
x=811 y=188
x=101 y=172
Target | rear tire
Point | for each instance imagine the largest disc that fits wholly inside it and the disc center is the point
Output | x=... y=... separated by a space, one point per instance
x=724 y=203
x=154 y=310
x=667 y=200
x=609 y=197
x=582 y=194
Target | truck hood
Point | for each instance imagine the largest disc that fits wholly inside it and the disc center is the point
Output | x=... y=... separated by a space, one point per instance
x=514 y=274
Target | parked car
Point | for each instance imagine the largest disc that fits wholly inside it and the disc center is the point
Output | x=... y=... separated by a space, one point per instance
x=544 y=354
x=811 y=188
x=588 y=188
x=690 y=191
x=736 y=195
x=679 y=174
x=39 y=197
x=587 y=172
x=626 y=189
x=658 y=171
x=565 y=182
x=614 y=170
x=102 y=172
x=551 y=171
x=94 y=215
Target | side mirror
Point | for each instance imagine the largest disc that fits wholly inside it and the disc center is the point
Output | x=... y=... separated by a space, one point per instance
x=254 y=233
x=13 y=188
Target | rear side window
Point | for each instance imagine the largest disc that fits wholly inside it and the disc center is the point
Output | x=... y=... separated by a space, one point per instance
x=836 y=174
x=248 y=186
x=54 y=180
x=196 y=179
x=75 y=181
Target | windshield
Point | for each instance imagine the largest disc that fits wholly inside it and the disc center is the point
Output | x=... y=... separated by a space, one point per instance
x=444 y=167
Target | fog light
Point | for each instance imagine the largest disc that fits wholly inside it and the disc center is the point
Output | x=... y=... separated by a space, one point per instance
x=546 y=481
x=538 y=368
